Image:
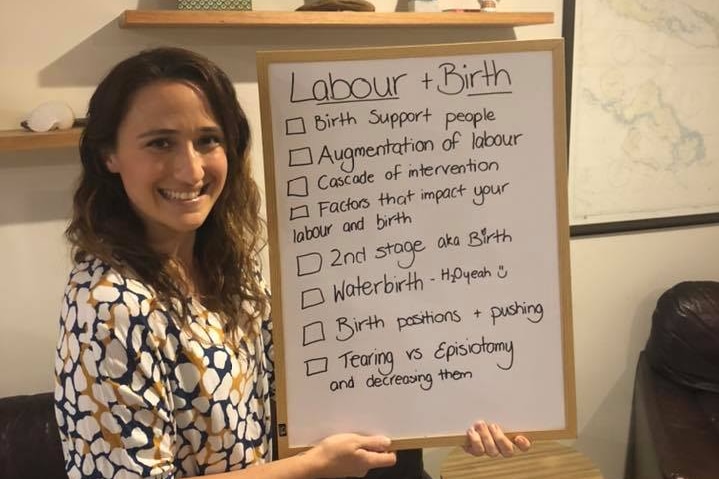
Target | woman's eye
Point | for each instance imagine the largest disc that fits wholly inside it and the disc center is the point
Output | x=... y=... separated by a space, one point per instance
x=159 y=143
x=209 y=141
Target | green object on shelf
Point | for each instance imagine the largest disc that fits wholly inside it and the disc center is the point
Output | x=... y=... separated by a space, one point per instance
x=214 y=4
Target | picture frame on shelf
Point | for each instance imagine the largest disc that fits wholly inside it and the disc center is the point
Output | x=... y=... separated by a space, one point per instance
x=234 y=5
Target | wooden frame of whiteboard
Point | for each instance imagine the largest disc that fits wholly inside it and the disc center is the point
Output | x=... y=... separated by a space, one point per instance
x=556 y=47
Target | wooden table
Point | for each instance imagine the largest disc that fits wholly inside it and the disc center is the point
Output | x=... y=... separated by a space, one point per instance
x=545 y=460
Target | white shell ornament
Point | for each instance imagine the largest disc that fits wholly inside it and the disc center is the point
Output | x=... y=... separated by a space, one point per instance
x=52 y=115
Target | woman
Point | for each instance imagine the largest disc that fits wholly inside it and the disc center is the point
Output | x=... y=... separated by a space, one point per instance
x=164 y=361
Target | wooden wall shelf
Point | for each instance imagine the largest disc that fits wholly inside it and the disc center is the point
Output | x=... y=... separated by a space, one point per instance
x=205 y=18
x=14 y=140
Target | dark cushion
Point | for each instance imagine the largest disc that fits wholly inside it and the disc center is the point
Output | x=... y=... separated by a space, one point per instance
x=684 y=338
x=29 y=441
x=675 y=415
x=674 y=429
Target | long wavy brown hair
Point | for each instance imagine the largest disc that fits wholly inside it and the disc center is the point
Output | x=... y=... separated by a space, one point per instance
x=104 y=225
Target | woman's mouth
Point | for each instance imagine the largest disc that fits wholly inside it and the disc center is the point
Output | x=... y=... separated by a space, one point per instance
x=177 y=195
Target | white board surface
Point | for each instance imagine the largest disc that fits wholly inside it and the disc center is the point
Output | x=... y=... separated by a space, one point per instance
x=418 y=238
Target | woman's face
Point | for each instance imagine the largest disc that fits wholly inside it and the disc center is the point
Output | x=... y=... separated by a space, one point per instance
x=171 y=158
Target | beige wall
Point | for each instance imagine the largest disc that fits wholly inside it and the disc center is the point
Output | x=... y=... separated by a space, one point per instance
x=59 y=50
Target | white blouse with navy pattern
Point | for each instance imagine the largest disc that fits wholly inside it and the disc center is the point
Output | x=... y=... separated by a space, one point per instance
x=137 y=395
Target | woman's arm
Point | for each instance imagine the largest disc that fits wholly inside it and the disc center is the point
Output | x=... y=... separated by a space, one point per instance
x=112 y=397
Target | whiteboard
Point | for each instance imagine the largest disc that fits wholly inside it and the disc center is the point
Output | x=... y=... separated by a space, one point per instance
x=418 y=241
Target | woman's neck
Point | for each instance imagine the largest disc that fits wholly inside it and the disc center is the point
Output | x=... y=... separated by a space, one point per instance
x=179 y=248
x=181 y=254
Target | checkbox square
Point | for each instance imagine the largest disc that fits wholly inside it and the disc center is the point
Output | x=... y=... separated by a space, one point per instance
x=312 y=297
x=315 y=366
x=295 y=126
x=301 y=157
x=297 y=187
x=299 y=212
x=309 y=263
x=313 y=333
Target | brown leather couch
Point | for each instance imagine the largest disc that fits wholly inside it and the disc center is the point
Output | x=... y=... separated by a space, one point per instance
x=29 y=442
x=674 y=432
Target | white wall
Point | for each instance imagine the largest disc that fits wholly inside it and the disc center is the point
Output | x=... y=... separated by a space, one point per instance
x=60 y=50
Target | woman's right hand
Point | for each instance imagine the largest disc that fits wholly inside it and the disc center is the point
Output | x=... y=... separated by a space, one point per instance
x=350 y=455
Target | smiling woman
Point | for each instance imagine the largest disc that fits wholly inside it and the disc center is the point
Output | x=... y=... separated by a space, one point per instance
x=164 y=365
x=172 y=163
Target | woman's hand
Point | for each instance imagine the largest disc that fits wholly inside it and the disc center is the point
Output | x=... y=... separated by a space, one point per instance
x=350 y=455
x=489 y=439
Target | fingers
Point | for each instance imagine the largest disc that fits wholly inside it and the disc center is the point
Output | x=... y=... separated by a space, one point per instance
x=375 y=443
x=490 y=448
x=350 y=455
x=374 y=451
x=481 y=441
x=374 y=459
x=489 y=439
x=522 y=443
x=504 y=445
x=474 y=444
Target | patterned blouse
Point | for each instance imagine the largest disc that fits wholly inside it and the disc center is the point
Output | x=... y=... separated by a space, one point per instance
x=137 y=395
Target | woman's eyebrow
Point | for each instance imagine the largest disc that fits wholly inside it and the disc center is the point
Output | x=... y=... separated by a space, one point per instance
x=210 y=129
x=157 y=132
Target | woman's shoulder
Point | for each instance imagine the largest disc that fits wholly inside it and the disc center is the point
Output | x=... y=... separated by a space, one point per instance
x=98 y=291
x=101 y=300
x=96 y=275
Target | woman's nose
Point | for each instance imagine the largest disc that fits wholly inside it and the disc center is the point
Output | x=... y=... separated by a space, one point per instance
x=189 y=164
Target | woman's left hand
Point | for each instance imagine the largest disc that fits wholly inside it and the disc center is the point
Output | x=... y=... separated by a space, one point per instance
x=489 y=439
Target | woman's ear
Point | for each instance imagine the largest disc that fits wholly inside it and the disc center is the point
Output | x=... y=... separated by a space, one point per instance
x=111 y=163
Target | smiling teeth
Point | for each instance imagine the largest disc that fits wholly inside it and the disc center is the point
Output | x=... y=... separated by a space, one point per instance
x=181 y=195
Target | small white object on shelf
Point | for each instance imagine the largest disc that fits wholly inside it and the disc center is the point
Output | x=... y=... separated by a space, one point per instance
x=51 y=115
x=488 y=5
x=423 y=6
